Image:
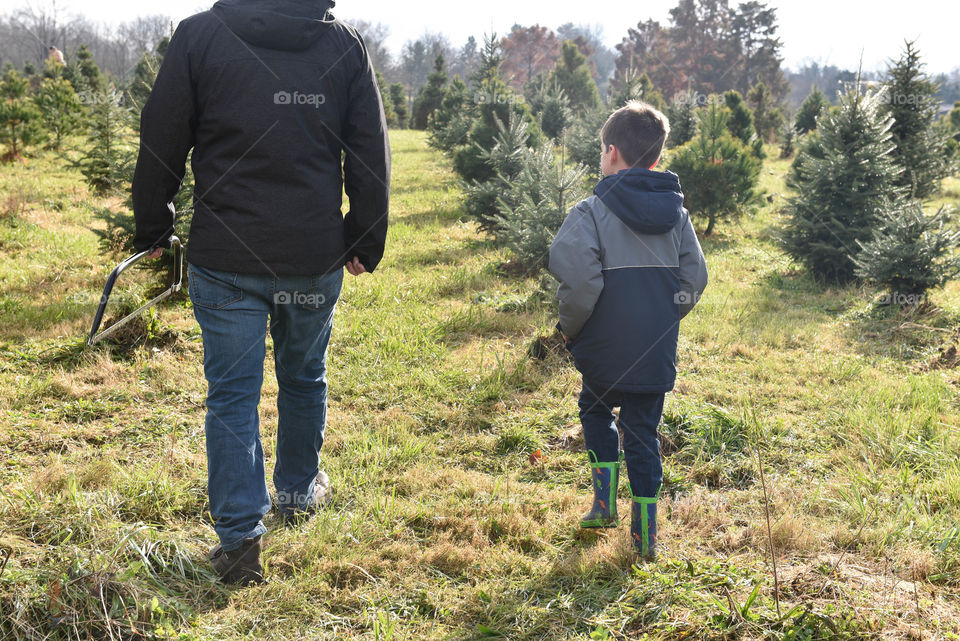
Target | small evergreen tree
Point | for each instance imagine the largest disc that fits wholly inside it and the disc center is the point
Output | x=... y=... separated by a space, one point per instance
x=106 y=163
x=953 y=118
x=86 y=76
x=431 y=95
x=502 y=162
x=144 y=75
x=632 y=85
x=59 y=108
x=583 y=139
x=535 y=205
x=682 y=114
x=451 y=122
x=388 y=113
x=19 y=118
x=495 y=102
x=811 y=108
x=767 y=116
x=910 y=252
x=787 y=136
x=719 y=174
x=649 y=94
x=398 y=99
x=920 y=148
x=549 y=104
x=844 y=178
x=572 y=74
x=740 y=122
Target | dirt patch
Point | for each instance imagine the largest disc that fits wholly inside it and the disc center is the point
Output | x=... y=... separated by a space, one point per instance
x=542 y=347
x=887 y=589
x=569 y=439
x=946 y=358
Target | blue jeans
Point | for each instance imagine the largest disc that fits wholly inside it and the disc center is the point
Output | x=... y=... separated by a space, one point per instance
x=639 y=418
x=232 y=310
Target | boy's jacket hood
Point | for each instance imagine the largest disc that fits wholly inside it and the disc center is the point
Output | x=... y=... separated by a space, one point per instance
x=288 y=25
x=649 y=202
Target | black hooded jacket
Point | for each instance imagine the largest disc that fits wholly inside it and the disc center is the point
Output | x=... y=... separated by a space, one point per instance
x=280 y=104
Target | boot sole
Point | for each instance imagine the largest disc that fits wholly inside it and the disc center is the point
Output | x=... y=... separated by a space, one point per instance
x=599 y=523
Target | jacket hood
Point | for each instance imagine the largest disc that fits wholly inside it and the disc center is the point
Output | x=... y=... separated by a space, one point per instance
x=649 y=202
x=288 y=25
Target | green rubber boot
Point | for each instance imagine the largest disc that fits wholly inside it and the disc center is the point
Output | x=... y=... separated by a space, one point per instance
x=605 y=477
x=643 y=525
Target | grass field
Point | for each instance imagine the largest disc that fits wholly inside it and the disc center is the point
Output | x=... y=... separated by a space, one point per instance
x=443 y=526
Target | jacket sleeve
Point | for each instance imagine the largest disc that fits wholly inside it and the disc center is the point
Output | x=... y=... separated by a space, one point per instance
x=693 y=269
x=366 y=168
x=167 y=124
x=575 y=262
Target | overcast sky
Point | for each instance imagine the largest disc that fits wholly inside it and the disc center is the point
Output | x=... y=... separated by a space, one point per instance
x=825 y=31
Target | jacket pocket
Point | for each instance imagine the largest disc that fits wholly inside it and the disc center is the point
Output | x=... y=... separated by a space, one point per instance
x=213 y=289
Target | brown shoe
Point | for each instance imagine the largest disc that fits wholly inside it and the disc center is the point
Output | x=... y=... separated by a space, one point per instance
x=241 y=566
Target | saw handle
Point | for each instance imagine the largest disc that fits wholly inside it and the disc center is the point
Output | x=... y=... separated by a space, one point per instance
x=177 y=281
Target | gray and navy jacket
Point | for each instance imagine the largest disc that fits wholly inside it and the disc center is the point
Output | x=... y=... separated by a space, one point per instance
x=630 y=268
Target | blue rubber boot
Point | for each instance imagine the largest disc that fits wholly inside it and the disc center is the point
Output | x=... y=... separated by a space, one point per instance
x=643 y=526
x=605 y=478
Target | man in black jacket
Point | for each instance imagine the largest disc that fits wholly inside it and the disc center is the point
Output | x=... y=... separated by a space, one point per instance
x=279 y=102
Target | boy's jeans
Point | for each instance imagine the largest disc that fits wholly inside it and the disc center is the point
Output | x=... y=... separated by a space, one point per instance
x=232 y=310
x=639 y=418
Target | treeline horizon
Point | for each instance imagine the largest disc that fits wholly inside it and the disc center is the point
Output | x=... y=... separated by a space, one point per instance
x=707 y=46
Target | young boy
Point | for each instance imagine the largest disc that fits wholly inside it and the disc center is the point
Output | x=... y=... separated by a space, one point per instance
x=630 y=268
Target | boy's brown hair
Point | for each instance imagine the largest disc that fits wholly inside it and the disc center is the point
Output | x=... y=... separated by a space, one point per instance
x=638 y=131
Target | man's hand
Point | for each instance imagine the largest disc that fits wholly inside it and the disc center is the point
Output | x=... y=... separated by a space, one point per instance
x=355 y=267
x=156 y=253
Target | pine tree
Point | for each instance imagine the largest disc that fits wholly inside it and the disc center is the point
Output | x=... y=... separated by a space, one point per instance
x=59 y=108
x=106 y=163
x=496 y=104
x=502 y=162
x=491 y=57
x=572 y=74
x=144 y=75
x=953 y=118
x=629 y=85
x=19 y=118
x=920 y=148
x=549 y=104
x=740 y=122
x=787 y=137
x=535 y=205
x=451 y=122
x=767 y=116
x=845 y=178
x=398 y=98
x=583 y=139
x=719 y=174
x=87 y=76
x=811 y=108
x=431 y=96
x=910 y=252
x=388 y=113
x=682 y=114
